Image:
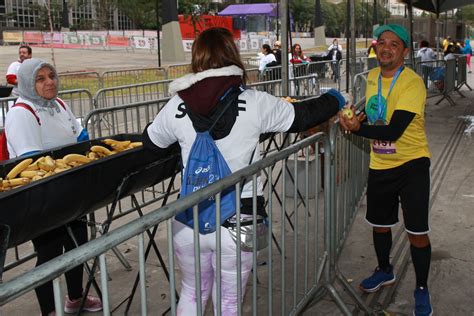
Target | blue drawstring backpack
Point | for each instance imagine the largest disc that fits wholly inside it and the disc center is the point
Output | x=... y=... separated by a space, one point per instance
x=206 y=165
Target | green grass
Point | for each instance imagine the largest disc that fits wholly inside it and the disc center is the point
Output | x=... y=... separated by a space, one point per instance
x=93 y=84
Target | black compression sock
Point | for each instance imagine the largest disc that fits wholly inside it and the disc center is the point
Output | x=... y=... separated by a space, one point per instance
x=383 y=245
x=421 y=258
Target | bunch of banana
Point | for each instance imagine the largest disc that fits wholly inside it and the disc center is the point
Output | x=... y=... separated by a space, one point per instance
x=27 y=170
x=119 y=146
x=289 y=99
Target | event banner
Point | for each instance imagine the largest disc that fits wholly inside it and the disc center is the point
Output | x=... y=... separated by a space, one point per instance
x=141 y=42
x=33 y=37
x=12 y=37
x=56 y=39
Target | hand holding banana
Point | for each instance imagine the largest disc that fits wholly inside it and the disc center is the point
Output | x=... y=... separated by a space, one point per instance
x=27 y=170
x=348 y=120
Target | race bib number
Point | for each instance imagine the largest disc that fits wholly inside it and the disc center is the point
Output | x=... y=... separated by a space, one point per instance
x=383 y=147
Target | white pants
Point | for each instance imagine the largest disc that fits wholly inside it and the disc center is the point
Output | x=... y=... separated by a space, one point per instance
x=183 y=240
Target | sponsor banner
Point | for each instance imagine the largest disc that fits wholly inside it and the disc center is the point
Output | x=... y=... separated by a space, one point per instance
x=254 y=44
x=33 y=37
x=93 y=40
x=72 y=38
x=56 y=39
x=243 y=45
x=12 y=37
x=188 y=45
x=121 y=41
x=141 y=42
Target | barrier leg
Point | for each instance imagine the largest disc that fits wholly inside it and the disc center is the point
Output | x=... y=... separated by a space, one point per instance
x=151 y=243
x=350 y=290
x=4 y=236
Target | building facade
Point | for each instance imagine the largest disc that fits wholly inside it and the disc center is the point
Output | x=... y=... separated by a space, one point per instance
x=80 y=14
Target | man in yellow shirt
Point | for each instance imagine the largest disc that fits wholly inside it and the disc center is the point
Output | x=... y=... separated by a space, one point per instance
x=399 y=161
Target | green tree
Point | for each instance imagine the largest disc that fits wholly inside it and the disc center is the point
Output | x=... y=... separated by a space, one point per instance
x=194 y=9
x=141 y=12
x=302 y=12
x=41 y=10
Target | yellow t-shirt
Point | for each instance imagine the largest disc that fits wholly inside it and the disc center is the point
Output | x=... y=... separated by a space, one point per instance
x=408 y=94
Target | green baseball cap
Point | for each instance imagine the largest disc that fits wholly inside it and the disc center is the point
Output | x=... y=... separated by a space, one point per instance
x=399 y=30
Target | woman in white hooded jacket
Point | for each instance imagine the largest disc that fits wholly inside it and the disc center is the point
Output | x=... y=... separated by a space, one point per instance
x=217 y=71
x=39 y=121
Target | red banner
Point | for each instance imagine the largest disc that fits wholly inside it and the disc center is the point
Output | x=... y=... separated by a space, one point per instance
x=121 y=41
x=205 y=22
x=33 y=37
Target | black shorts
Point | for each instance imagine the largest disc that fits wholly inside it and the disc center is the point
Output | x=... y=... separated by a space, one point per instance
x=409 y=184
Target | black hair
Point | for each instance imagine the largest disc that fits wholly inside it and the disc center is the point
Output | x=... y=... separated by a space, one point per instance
x=28 y=48
x=267 y=48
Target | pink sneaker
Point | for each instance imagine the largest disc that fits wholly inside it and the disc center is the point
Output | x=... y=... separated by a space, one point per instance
x=92 y=304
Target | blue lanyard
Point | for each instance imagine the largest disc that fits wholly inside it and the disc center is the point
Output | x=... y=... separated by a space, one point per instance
x=380 y=108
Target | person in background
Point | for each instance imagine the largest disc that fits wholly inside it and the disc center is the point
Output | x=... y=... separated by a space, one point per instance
x=24 y=52
x=39 y=121
x=449 y=53
x=372 y=55
x=277 y=52
x=297 y=56
x=467 y=50
x=427 y=56
x=335 y=54
x=267 y=57
x=218 y=72
x=399 y=170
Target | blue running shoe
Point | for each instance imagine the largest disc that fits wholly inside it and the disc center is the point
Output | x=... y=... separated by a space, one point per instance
x=378 y=279
x=422 y=302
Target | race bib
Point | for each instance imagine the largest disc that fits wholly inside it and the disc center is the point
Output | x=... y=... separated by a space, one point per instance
x=384 y=147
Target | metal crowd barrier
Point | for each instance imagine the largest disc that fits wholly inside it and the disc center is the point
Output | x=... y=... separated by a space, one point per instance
x=301 y=247
x=301 y=86
x=178 y=70
x=132 y=76
x=461 y=73
x=79 y=101
x=128 y=94
x=298 y=261
x=126 y=118
x=360 y=86
x=89 y=80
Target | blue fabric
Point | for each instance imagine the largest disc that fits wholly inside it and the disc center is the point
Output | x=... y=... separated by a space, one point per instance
x=205 y=166
x=437 y=74
x=84 y=135
x=338 y=96
x=467 y=50
x=30 y=153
